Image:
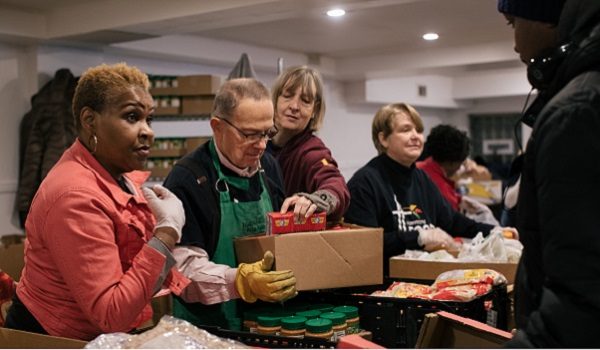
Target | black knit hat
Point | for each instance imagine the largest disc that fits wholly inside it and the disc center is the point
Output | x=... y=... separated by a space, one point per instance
x=547 y=11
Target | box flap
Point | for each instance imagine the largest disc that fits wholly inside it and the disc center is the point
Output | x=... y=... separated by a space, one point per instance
x=429 y=270
x=13 y=339
x=447 y=330
x=355 y=341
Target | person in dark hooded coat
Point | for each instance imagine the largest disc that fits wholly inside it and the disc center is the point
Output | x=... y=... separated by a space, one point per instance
x=558 y=281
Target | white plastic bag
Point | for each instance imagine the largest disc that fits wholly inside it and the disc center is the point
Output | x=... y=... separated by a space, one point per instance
x=169 y=333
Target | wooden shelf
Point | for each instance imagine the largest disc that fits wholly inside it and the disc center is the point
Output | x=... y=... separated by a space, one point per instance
x=160 y=172
x=167 y=153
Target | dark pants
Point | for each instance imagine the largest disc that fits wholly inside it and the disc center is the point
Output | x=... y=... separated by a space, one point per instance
x=20 y=318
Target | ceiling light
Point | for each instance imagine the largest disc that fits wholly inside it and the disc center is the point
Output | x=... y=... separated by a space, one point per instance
x=336 y=13
x=431 y=36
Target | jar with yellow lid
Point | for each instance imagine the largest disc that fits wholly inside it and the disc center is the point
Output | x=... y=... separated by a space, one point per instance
x=352 y=318
x=319 y=328
x=339 y=324
x=268 y=325
x=293 y=326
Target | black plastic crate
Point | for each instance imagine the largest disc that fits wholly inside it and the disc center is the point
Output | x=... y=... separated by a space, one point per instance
x=271 y=341
x=395 y=322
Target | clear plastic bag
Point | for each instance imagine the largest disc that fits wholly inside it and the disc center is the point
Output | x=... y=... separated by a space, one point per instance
x=490 y=249
x=169 y=333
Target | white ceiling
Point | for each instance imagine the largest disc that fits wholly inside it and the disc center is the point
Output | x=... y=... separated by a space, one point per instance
x=374 y=35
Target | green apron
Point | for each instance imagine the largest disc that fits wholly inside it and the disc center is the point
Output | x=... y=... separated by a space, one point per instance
x=237 y=219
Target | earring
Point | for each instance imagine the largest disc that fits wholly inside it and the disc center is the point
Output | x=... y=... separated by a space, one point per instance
x=95 y=143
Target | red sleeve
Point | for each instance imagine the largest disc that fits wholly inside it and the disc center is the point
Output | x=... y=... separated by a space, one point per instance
x=79 y=234
x=322 y=173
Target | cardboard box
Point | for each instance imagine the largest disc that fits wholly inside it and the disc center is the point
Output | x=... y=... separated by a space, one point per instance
x=195 y=105
x=191 y=143
x=193 y=85
x=167 y=111
x=450 y=331
x=352 y=256
x=13 y=339
x=355 y=341
x=12 y=256
x=429 y=270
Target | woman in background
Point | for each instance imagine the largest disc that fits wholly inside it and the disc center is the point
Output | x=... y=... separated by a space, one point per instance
x=95 y=254
x=390 y=192
x=312 y=179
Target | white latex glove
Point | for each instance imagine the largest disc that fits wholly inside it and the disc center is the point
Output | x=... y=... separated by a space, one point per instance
x=435 y=238
x=166 y=207
x=475 y=210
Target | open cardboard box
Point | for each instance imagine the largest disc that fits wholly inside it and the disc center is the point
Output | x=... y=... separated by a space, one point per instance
x=13 y=339
x=450 y=331
x=403 y=268
x=352 y=256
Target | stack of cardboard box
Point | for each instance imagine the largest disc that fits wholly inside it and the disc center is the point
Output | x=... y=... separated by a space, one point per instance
x=194 y=93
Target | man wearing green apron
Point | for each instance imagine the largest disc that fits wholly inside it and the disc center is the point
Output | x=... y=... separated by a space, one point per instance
x=227 y=186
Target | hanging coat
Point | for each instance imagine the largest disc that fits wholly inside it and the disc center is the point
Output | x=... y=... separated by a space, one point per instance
x=47 y=130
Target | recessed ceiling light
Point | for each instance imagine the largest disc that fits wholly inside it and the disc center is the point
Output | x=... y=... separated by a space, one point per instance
x=336 y=13
x=431 y=36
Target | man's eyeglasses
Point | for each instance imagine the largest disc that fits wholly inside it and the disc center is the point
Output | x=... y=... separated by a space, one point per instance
x=255 y=136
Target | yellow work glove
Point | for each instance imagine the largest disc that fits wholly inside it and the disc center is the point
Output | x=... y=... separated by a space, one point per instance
x=257 y=281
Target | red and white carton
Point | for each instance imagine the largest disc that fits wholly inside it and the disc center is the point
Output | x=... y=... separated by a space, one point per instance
x=278 y=223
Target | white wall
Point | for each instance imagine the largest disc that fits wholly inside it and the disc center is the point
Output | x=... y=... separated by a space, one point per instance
x=347 y=126
x=23 y=70
x=346 y=129
x=17 y=84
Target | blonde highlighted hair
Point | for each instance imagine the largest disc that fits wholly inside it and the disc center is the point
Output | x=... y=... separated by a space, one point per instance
x=384 y=121
x=98 y=85
x=303 y=77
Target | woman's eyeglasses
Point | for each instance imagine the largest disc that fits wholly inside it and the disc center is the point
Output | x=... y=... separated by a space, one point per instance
x=255 y=136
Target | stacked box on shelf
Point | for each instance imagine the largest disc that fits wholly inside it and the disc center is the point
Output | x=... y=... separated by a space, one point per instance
x=167 y=151
x=167 y=105
x=163 y=89
x=186 y=95
x=197 y=105
x=194 y=85
x=395 y=322
x=164 y=154
x=198 y=93
x=191 y=143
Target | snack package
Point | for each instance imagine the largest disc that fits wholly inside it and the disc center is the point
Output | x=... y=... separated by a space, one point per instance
x=278 y=223
x=405 y=290
x=465 y=292
x=454 y=285
x=469 y=276
x=7 y=291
